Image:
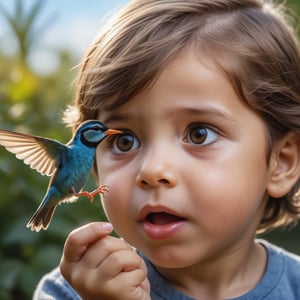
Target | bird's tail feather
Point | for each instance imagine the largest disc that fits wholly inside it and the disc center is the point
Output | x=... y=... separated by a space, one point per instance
x=41 y=218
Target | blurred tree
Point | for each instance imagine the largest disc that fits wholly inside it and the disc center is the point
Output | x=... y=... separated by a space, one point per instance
x=33 y=104
x=22 y=24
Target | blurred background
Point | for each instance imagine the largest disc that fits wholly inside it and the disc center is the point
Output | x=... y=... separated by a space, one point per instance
x=41 y=43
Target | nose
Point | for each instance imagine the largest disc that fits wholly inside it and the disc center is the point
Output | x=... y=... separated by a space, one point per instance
x=157 y=169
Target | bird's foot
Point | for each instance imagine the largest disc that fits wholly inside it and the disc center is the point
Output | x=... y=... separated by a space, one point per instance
x=99 y=190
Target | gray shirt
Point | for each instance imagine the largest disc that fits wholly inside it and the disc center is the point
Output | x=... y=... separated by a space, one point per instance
x=281 y=281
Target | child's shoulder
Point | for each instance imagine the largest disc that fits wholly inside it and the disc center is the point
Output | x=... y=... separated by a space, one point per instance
x=280 y=281
x=282 y=276
x=287 y=260
x=53 y=286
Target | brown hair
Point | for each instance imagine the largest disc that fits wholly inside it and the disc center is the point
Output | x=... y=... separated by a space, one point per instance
x=251 y=41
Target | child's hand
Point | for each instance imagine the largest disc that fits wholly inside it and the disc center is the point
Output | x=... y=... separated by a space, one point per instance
x=99 y=266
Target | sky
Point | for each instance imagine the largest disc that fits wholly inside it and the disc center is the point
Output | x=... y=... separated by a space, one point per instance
x=74 y=23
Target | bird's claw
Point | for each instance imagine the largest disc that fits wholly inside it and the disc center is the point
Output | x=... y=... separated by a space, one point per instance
x=99 y=190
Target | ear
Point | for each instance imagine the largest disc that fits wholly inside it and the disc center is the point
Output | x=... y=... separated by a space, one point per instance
x=284 y=165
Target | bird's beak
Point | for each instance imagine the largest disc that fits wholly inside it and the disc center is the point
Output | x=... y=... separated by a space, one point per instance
x=112 y=131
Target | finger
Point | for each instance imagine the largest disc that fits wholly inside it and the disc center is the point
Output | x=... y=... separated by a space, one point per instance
x=80 y=239
x=101 y=249
x=118 y=262
x=121 y=271
x=130 y=281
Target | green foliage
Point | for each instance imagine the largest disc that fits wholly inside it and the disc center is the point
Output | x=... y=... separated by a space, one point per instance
x=34 y=104
x=22 y=25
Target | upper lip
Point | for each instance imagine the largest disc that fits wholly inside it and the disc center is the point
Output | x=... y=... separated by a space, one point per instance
x=150 y=209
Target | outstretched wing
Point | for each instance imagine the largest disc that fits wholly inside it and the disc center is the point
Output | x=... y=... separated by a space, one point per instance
x=41 y=154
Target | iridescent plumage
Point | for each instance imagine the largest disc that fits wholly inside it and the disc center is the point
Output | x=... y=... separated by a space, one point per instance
x=68 y=165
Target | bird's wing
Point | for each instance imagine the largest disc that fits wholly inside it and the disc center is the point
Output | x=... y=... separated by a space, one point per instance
x=41 y=154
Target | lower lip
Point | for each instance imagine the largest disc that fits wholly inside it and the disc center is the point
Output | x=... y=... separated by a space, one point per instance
x=159 y=232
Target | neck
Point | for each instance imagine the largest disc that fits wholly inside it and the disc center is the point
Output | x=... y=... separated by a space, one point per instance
x=229 y=275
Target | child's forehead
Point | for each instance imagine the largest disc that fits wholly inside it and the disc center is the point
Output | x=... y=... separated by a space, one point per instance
x=215 y=42
x=188 y=80
x=191 y=56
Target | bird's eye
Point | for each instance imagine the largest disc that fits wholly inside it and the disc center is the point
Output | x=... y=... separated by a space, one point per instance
x=201 y=135
x=123 y=143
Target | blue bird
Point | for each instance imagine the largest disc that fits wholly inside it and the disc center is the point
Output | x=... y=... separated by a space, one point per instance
x=68 y=165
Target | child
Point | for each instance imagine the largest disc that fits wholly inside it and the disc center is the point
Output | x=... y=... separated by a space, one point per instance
x=207 y=94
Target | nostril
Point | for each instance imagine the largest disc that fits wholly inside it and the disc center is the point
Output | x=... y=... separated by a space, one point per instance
x=160 y=181
x=163 y=181
x=147 y=180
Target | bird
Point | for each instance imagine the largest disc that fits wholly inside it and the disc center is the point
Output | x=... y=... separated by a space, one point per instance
x=69 y=165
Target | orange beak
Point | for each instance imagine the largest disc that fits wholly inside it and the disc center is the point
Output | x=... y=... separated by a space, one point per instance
x=112 y=131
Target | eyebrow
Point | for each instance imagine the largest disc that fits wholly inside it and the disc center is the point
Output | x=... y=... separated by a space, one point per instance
x=176 y=111
x=209 y=110
x=118 y=117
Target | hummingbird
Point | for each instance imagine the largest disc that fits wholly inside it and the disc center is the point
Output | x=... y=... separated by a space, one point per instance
x=69 y=165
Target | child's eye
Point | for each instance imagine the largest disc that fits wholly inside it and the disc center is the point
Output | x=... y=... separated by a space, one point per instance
x=200 y=135
x=123 y=143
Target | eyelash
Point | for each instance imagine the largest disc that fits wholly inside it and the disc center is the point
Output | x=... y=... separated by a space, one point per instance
x=204 y=135
x=113 y=143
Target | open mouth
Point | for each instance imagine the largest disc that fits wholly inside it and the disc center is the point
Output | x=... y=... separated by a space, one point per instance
x=161 y=222
x=162 y=218
x=161 y=225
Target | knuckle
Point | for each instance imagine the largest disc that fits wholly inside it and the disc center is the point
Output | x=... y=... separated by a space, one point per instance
x=72 y=239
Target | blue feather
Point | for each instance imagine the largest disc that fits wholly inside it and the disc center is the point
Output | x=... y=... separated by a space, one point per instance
x=68 y=165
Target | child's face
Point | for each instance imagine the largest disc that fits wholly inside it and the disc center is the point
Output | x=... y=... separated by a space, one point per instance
x=188 y=179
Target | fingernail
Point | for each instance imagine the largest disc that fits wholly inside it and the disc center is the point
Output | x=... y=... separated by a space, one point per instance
x=107 y=227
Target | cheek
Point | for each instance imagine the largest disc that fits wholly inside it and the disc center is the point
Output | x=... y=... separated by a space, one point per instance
x=230 y=191
x=226 y=194
x=120 y=181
